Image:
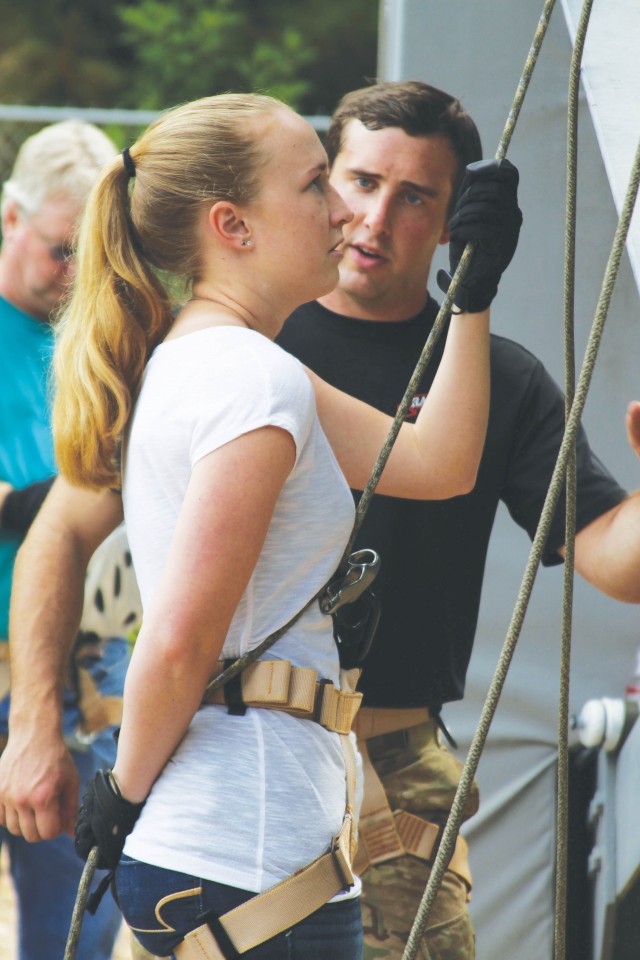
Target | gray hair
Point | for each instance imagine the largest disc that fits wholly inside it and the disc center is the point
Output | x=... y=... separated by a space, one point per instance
x=62 y=159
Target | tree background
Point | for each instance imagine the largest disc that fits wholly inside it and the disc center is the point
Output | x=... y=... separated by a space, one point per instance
x=152 y=54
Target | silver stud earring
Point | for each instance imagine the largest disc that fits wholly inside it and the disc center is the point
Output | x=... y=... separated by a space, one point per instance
x=246 y=243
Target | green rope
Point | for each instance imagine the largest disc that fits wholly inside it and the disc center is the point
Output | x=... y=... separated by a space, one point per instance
x=562 y=811
x=80 y=905
x=555 y=487
x=238 y=665
x=423 y=360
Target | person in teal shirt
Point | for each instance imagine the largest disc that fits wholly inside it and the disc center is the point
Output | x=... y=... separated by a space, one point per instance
x=26 y=451
x=41 y=202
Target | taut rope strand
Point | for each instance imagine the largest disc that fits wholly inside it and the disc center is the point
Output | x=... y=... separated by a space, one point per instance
x=562 y=812
x=80 y=905
x=238 y=665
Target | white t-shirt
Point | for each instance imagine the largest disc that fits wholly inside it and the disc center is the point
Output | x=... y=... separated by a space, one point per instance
x=245 y=800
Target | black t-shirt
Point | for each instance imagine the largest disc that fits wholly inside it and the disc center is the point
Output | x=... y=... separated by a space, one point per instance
x=433 y=553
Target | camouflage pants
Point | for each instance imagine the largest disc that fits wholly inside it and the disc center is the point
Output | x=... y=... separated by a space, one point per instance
x=421 y=776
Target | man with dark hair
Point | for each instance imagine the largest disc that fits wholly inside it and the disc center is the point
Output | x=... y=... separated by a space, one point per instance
x=418 y=109
x=399 y=153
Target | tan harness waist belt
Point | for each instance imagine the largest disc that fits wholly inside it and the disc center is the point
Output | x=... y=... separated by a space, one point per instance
x=277 y=685
x=375 y=721
x=269 y=684
x=382 y=834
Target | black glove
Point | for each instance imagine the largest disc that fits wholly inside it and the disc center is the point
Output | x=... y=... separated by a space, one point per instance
x=487 y=212
x=105 y=820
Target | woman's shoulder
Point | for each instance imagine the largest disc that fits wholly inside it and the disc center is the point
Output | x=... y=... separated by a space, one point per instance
x=227 y=348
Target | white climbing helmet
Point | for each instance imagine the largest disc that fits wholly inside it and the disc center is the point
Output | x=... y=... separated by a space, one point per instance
x=112 y=605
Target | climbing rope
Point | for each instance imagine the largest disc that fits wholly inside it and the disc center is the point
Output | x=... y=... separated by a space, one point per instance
x=80 y=905
x=562 y=806
x=449 y=299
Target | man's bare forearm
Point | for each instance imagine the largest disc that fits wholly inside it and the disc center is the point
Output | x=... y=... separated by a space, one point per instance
x=38 y=778
x=608 y=549
x=47 y=596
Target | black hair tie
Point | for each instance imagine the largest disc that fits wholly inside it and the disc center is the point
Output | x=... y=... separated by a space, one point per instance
x=129 y=165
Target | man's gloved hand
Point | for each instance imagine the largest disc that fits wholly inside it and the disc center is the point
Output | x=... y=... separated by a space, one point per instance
x=105 y=820
x=487 y=212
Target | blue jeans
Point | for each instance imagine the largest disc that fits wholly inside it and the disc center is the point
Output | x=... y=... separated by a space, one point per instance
x=334 y=931
x=46 y=874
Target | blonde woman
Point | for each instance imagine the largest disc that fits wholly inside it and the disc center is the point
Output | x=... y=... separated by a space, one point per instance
x=236 y=464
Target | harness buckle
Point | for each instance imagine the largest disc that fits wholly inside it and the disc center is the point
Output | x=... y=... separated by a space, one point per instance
x=362 y=569
x=341 y=855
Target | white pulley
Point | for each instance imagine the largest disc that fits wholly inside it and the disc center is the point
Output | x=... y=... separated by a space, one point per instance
x=605 y=723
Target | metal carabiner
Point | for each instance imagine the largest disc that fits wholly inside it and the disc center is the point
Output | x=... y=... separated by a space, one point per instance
x=362 y=569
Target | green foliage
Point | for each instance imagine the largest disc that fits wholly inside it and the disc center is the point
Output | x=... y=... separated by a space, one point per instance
x=152 y=54
x=61 y=52
x=196 y=50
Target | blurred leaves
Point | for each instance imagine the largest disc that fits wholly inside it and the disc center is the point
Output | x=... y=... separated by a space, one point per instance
x=152 y=54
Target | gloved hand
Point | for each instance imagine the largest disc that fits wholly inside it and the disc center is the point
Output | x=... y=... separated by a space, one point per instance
x=487 y=212
x=105 y=820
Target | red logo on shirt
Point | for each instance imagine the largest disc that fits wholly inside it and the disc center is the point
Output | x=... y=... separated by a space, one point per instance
x=416 y=406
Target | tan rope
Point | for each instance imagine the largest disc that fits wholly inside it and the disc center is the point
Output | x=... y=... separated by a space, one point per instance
x=562 y=811
x=80 y=905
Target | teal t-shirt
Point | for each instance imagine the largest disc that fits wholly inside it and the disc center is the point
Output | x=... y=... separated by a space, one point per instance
x=26 y=447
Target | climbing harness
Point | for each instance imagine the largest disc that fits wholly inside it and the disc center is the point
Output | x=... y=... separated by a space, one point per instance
x=384 y=835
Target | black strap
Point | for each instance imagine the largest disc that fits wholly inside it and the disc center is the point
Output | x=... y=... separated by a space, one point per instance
x=233 y=693
x=437 y=716
x=222 y=937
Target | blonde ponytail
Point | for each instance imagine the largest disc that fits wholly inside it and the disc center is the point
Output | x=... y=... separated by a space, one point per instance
x=118 y=312
x=132 y=232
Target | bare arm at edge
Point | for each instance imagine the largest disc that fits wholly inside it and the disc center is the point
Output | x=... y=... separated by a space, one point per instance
x=38 y=779
x=607 y=552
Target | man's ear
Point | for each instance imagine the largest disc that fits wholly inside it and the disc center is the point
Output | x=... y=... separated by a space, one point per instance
x=227 y=224
x=10 y=217
x=445 y=236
